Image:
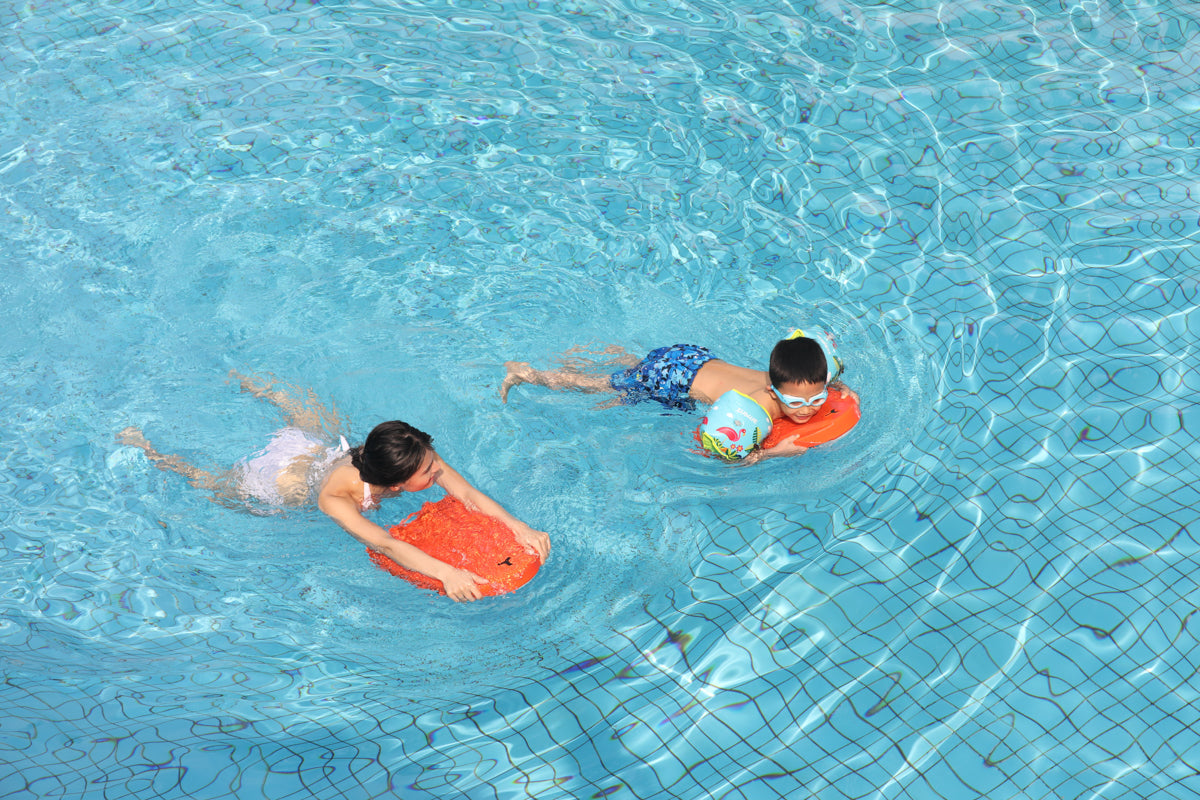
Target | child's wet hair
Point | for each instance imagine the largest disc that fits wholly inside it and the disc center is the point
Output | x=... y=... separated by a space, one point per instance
x=392 y=453
x=799 y=360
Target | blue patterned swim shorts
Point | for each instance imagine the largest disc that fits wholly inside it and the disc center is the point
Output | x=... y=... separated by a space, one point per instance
x=664 y=375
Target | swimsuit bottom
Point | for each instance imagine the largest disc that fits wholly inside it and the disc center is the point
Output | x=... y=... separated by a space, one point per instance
x=665 y=375
x=258 y=476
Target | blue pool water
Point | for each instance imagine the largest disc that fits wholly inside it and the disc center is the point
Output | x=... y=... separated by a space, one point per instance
x=986 y=590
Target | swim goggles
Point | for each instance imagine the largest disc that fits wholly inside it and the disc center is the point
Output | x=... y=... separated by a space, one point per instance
x=802 y=402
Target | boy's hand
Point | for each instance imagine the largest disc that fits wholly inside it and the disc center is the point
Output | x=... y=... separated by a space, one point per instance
x=461 y=585
x=845 y=390
x=533 y=541
x=787 y=447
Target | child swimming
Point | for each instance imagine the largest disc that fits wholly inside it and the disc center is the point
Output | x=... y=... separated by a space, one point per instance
x=302 y=463
x=794 y=387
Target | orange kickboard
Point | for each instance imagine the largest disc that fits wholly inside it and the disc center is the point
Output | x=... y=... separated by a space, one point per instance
x=463 y=538
x=838 y=415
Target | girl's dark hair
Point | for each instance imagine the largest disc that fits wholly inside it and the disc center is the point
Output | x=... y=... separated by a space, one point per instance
x=392 y=453
x=798 y=360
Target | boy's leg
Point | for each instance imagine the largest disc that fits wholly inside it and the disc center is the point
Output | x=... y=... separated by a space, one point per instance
x=617 y=355
x=519 y=372
x=308 y=414
x=171 y=463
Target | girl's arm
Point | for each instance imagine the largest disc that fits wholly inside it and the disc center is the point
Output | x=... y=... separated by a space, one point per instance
x=532 y=540
x=460 y=584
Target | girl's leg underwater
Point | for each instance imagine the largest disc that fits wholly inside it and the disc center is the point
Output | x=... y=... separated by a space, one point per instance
x=171 y=463
x=307 y=413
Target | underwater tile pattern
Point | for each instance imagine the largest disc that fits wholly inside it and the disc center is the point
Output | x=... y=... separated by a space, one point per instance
x=998 y=606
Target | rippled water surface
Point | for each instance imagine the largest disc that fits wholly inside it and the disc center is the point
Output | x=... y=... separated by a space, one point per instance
x=985 y=590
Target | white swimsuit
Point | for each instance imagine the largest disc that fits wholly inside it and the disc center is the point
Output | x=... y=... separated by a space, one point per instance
x=368 y=502
x=258 y=476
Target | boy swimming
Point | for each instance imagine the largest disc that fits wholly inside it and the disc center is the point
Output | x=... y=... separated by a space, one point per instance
x=794 y=387
x=302 y=463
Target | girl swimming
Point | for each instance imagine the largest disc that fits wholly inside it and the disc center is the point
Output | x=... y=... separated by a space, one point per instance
x=302 y=463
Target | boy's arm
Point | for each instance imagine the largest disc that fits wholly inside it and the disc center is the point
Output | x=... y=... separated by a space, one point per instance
x=533 y=541
x=460 y=584
x=785 y=448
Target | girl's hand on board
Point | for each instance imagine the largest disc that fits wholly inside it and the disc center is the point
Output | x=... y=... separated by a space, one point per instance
x=462 y=586
x=533 y=541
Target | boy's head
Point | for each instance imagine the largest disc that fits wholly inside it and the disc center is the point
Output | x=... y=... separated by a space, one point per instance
x=799 y=360
x=799 y=374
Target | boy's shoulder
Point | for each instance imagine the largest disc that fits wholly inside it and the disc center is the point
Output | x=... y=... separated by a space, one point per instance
x=717 y=377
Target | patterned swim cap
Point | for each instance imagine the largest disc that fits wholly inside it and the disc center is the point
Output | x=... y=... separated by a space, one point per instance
x=823 y=338
x=735 y=425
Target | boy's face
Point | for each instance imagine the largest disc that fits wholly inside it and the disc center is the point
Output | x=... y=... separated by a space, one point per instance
x=790 y=392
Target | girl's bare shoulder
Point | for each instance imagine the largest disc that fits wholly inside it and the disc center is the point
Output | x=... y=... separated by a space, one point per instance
x=342 y=480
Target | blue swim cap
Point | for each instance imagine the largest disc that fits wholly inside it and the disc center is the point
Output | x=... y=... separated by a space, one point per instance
x=735 y=425
x=823 y=338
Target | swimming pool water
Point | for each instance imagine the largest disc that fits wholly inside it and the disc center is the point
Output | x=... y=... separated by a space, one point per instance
x=985 y=590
